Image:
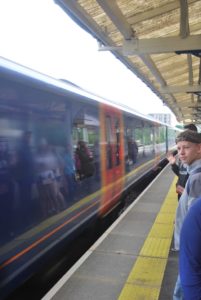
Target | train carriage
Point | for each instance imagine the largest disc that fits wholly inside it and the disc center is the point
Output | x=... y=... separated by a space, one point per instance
x=66 y=159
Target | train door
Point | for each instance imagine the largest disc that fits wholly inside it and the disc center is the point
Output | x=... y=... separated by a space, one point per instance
x=112 y=157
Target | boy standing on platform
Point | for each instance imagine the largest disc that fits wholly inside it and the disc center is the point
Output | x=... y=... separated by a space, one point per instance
x=179 y=168
x=189 y=151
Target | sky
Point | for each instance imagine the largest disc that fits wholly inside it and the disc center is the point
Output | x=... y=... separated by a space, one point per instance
x=40 y=35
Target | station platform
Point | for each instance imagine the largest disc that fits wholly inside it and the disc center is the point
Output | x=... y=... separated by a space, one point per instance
x=133 y=259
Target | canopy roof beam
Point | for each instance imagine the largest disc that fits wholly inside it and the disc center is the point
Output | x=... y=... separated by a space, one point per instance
x=114 y=13
x=135 y=46
x=181 y=89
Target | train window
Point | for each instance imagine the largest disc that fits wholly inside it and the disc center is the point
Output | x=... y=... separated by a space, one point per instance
x=171 y=137
x=147 y=135
x=80 y=134
x=117 y=142
x=85 y=137
x=148 y=139
x=109 y=141
x=84 y=140
x=160 y=138
x=131 y=142
x=139 y=136
x=160 y=134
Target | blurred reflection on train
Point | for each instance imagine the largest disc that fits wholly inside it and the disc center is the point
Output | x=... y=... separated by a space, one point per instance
x=66 y=159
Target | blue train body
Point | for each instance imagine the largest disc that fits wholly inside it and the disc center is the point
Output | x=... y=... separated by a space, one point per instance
x=66 y=157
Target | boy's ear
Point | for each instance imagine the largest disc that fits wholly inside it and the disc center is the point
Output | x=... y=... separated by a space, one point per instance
x=199 y=147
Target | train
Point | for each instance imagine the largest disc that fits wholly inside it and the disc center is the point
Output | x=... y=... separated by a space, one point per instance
x=67 y=158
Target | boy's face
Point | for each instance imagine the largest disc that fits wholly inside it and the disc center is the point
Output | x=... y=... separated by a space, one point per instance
x=188 y=152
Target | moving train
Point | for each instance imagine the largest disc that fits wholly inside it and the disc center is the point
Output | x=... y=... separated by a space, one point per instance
x=66 y=159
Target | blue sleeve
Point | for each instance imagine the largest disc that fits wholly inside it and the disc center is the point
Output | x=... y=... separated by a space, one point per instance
x=190 y=253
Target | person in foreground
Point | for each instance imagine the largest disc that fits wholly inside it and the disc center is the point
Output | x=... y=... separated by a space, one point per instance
x=190 y=253
x=189 y=151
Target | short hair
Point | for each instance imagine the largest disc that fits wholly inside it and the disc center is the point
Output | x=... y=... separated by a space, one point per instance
x=191 y=127
x=189 y=136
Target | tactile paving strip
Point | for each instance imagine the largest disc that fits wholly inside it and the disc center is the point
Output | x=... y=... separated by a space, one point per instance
x=145 y=279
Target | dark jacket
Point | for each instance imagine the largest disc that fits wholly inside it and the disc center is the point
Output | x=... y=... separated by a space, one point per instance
x=181 y=171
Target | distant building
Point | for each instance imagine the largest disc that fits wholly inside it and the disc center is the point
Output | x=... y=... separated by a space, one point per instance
x=165 y=118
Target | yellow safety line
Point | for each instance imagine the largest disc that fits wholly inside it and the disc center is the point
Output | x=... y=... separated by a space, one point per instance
x=145 y=279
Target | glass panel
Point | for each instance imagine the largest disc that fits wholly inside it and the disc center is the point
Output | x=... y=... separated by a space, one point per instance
x=108 y=128
x=148 y=139
x=117 y=142
x=86 y=142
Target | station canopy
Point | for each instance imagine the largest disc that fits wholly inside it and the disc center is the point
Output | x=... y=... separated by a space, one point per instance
x=159 y=41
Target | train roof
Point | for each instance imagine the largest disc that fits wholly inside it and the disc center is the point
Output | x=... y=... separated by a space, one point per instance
x=62 y=86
